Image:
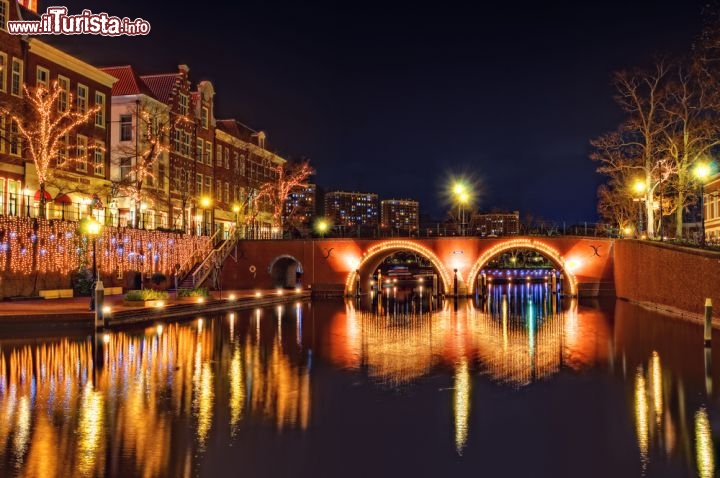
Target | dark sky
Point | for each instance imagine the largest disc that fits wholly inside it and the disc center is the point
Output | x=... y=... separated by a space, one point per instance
x=394 y=99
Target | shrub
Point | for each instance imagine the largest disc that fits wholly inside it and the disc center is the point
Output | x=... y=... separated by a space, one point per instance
x=194 y=292
x=82 y=282
x=146 y=294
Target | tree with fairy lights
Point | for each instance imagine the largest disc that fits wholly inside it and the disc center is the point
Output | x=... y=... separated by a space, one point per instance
x=289 y=176
x=41 y=129
x=141 y=162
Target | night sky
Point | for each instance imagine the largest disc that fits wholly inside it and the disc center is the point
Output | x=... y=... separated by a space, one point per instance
x=396 y=99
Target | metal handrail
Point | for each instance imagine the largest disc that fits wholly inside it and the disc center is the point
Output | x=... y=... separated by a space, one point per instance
x=187 y=266
x=219 y=254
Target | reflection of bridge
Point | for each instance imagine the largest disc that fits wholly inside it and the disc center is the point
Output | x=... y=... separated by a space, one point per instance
x=345 y=264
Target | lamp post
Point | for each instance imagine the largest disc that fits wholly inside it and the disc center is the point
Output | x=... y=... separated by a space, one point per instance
x=639 y=188
x=92 y=228
x=205 y=203
x=461 y=195
x=236 y=210
x=702 y=172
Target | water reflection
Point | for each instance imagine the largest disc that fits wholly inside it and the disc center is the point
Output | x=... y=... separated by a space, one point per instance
x=158 y=401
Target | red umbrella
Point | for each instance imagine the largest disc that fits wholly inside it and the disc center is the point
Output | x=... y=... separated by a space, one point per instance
x=48 y=197
x=63 y=198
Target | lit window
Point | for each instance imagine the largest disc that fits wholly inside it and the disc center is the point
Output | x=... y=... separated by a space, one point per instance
x=100 y=113
x=43 y=76
x=64 y=85
x=16 y=81
x=82 y=98
x=99 y=163
x=81 y=152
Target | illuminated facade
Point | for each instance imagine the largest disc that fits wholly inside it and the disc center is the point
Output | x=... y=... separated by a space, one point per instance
x=351 y=209
x=399 y=216
x=712 y=209
x=28 y=62
x=496 y=224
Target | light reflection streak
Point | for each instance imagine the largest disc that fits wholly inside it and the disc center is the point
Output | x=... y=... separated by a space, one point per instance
x=705 y=453
x=462 y=405
x=656 y=384
x=641 y=415
x=90 y=432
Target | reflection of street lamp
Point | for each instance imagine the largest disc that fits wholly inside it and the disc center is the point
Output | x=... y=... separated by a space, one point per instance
x=639 y=188
x=702 y=172
x=92 y=228
x=204 y=204
x=455 y=283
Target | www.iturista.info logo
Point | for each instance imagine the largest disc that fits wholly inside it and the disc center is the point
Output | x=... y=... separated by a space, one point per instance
x=56 y=21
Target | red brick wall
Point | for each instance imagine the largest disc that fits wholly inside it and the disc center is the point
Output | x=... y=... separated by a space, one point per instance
x=671 y=276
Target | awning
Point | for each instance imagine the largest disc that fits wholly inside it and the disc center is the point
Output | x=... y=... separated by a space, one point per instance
x=48 y=196
x=63 y=198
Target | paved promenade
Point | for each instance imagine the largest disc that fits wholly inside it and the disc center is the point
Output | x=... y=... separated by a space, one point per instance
x=77 y=309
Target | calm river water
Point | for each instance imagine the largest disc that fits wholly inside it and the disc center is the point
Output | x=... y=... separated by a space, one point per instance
x=520 y=386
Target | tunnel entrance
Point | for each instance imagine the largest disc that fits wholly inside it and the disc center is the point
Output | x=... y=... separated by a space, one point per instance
x=286 y=272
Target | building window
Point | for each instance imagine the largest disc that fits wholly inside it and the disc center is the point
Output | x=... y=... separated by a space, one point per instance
x=81 y=162
x=99 y=163
x=208 y=186
x=63 y=150
x=198 y=184
x=3 y=72
x=82 y=98
x=16 y=81
x=227 y=193
x=125 y=167
x=43 y=77
x=186 y=150
x=226 y=158
x=204 y=117
x=126 y=133
x=100 y=113
x=14 y=139
x=3 y=137
x=208 y=153
x=218 y=190
x=184 y=105
x=161 y=176
x=4 y=11
x=218 y=155
x=64 y=85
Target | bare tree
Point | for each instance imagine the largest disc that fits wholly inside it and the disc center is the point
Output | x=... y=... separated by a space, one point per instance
x=42 y=130
x=635 y=148
x=289 y=176
x=140 y=161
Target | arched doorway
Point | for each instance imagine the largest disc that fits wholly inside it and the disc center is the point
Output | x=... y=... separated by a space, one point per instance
x=545 y=251
x=286 y=272
x=362 y=276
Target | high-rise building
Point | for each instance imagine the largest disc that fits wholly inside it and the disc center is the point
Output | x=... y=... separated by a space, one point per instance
x=352 y=209
x=496 y=224
x=301 y=207
x=399 y=216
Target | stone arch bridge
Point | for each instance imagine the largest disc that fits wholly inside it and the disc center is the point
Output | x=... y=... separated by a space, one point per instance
x=586 y=263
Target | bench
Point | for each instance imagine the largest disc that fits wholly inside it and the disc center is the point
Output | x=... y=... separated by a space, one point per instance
x=56 y=294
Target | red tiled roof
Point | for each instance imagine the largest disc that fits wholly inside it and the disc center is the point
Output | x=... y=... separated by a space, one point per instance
x=236 y=129
x=161 y=85
x=128 y=82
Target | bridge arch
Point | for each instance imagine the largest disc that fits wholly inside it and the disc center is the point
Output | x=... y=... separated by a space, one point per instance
x=373 y=257
x=548 y=251
x=285 y=271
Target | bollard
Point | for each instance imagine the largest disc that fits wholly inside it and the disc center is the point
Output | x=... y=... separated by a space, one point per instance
x=99 y=299
x=554 y=282
x=708 y=322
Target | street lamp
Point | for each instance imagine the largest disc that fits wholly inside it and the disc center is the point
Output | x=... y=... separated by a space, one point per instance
x=322 y=226
x=205 y=203
x=639 y=188
x=702 y=172
x=461 y=194
x=92 y=228
x=236 y=210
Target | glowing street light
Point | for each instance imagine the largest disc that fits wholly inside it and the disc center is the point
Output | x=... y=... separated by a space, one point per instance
x=322 y=226
x=639 y=187
x=462 y=196
x=702 y=173
x=92 y=228
x=205 y=203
